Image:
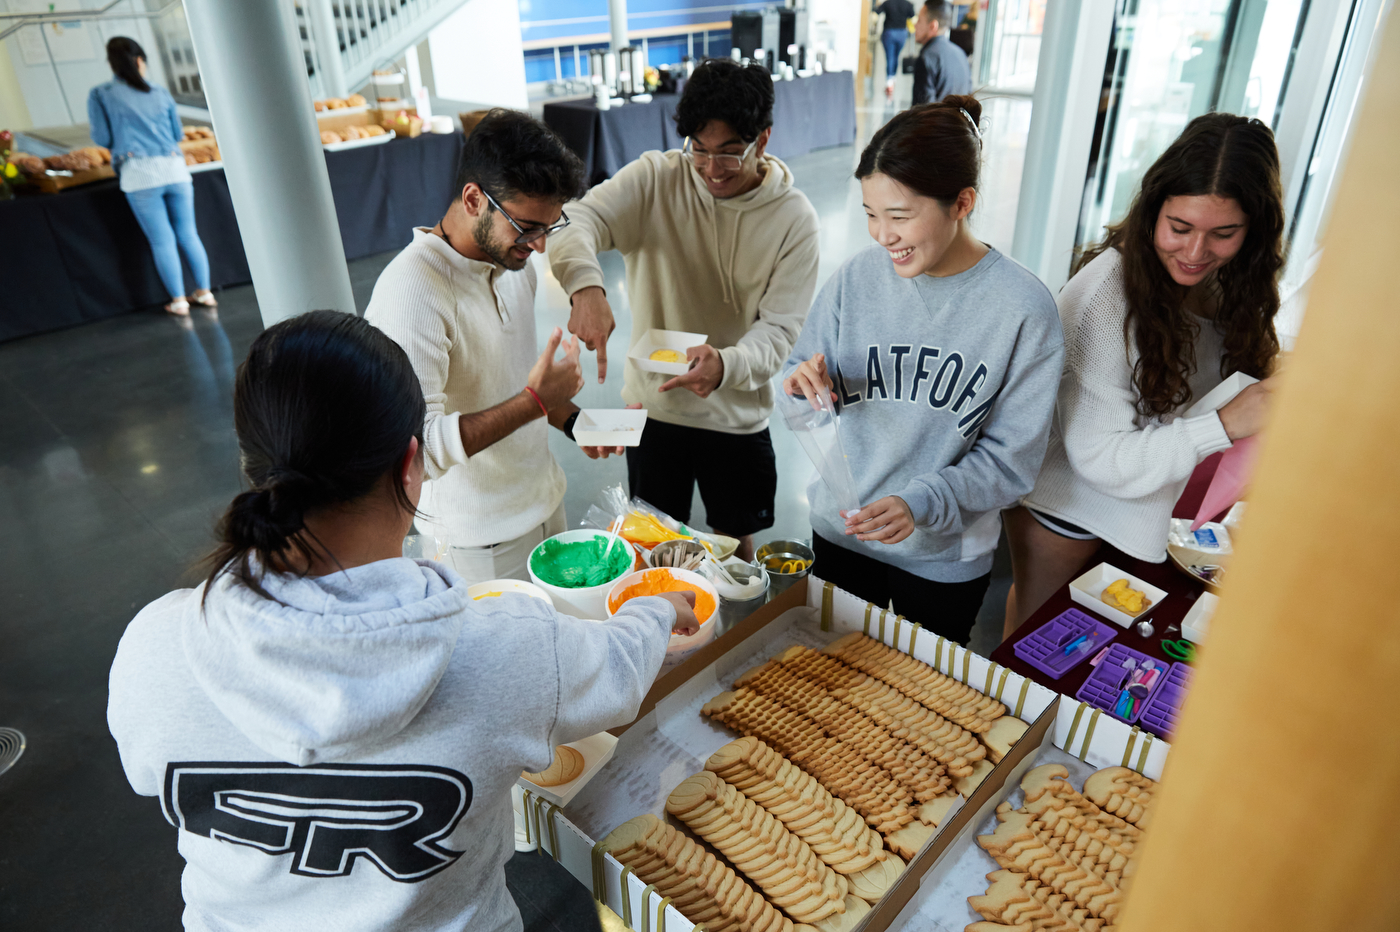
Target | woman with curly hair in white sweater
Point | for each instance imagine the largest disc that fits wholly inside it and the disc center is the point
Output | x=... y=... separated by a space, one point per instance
x=1179 y=295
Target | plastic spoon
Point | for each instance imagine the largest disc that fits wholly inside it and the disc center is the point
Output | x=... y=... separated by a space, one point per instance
x=614 y=529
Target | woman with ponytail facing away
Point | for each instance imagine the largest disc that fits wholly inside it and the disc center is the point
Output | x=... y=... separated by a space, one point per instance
x=942 y=355
x=334 y=729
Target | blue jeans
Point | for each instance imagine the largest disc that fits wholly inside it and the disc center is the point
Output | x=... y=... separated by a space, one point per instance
x=166 y=216
x=893 y=40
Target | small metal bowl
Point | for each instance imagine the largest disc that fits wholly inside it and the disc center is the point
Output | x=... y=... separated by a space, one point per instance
x=681 y=548
x=776 y=552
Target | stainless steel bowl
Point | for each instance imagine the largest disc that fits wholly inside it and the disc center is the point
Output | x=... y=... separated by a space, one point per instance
x=779 y=551
x=681 y=547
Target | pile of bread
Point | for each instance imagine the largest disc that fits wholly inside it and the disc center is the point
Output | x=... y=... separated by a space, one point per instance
x=851 y=757
x=339 y=103
x=79 y=160
x=199 y=145
x=346 y=133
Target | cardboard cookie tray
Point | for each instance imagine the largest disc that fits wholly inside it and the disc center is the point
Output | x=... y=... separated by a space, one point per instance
x=1083 y=739
x=670 y=741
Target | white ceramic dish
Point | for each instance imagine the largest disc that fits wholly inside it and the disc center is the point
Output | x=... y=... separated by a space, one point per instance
x=610 y=427
x=678 y=340
x=1087 y=589
x=476 y=592
x=1197 y=620
x=679 y=647
x=359 y=143
x=590 y=602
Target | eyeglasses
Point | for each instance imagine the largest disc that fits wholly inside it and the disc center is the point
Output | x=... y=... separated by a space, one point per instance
x=528 y=236
x=728 y=162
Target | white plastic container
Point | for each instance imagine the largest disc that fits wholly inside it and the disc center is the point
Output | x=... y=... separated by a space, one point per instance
x=610 y=427
x=590 y=602
x=677 y=340
x=1197 y=620
x=442 y=125
x=1087 y=589
x=680 y=647
x=481 y=590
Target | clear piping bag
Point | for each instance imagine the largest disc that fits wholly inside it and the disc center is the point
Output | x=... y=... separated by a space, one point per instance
x=818 y=431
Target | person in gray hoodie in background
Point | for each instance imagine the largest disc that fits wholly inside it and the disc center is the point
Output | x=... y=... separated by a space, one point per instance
x=334 y=728
x=943 y=357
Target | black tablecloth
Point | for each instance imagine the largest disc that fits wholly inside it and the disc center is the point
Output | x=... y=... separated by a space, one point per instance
x=79 y=255
x=808 y=113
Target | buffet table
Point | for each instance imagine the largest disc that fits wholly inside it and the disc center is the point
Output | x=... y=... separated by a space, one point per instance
x=79 y=255
x=808 y=113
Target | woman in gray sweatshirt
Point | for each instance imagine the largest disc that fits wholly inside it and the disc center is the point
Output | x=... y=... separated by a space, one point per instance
x=942 y=356
x=333 y=728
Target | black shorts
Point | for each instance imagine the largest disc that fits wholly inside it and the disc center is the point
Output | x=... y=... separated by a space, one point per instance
x=949 y=609
x=737 y=473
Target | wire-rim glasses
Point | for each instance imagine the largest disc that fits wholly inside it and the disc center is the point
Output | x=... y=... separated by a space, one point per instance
x=727 y=162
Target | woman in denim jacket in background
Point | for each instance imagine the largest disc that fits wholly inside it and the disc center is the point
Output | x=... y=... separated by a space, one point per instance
x=140 y=125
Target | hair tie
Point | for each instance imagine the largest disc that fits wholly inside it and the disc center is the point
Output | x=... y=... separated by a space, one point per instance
x=975 y=128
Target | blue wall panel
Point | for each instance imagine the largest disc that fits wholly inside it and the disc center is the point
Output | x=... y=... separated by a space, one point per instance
x=564 y=19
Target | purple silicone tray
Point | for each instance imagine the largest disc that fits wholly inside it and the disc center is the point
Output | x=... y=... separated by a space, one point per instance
x=1165 y=703
x=1104 y=685
x=1043 y=648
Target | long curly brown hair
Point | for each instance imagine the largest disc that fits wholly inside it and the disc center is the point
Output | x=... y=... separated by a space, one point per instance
x=1227 y=156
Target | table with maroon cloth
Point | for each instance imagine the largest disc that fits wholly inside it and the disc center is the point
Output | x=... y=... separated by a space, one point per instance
x=1182 y=592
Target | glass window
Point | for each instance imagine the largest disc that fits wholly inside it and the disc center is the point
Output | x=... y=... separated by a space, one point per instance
x=1169 y=62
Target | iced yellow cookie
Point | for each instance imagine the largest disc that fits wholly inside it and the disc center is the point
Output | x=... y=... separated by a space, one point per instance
x=667 y=355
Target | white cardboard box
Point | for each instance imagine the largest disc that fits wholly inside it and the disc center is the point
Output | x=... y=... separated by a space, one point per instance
x=671 y=741
x=610 y=427
x=678 y=340
x=1197 y=621
x=1087 y=589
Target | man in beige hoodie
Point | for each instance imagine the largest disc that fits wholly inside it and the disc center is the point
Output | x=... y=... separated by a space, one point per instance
x=716 y=240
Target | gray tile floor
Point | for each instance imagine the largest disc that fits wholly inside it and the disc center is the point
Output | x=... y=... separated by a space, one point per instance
x=117 y=454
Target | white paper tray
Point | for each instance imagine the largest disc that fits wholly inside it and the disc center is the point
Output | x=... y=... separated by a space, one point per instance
x=654 y=340
x=1087 y=589
x=610 y=427
x=597 y=751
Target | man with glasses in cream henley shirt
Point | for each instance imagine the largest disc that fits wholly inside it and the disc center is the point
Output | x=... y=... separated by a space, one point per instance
x=716 y=240
x=460 y=300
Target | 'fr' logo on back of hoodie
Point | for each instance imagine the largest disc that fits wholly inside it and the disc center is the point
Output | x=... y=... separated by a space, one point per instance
x=324 y=816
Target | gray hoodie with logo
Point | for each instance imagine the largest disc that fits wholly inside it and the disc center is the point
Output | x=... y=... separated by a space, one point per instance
x=341 y=756
x=946 y=387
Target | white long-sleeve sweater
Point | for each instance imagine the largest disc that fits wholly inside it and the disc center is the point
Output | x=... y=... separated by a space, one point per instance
x=1108 y=469
x=468 y=328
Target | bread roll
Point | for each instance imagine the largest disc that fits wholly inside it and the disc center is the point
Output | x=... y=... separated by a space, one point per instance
x=355 y=100
x=328 y=137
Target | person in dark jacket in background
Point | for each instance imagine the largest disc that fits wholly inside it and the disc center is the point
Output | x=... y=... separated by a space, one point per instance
x=893 y=35
x=941 y=68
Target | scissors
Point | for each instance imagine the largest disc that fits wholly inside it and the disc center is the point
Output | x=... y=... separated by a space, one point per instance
x=793 y=566
x=1182 y=650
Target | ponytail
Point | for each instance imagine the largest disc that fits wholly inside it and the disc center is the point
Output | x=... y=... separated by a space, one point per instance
x=324 y=406
x=122 y=54
x=933 y=149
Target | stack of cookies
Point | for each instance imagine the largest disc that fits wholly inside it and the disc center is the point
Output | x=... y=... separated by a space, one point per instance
x=834 y=831
x=1066 y=862
x=778 y=862
x=703 y=888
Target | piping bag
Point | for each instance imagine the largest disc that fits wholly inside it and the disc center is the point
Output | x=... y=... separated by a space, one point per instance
x=818 y=431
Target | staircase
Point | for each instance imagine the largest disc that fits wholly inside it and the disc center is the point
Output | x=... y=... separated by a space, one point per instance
x=346 y=40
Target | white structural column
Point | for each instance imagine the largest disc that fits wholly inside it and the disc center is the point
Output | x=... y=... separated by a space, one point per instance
x=617 y=23
x=255 y=82
x=1069 y=80
x=326 y=40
